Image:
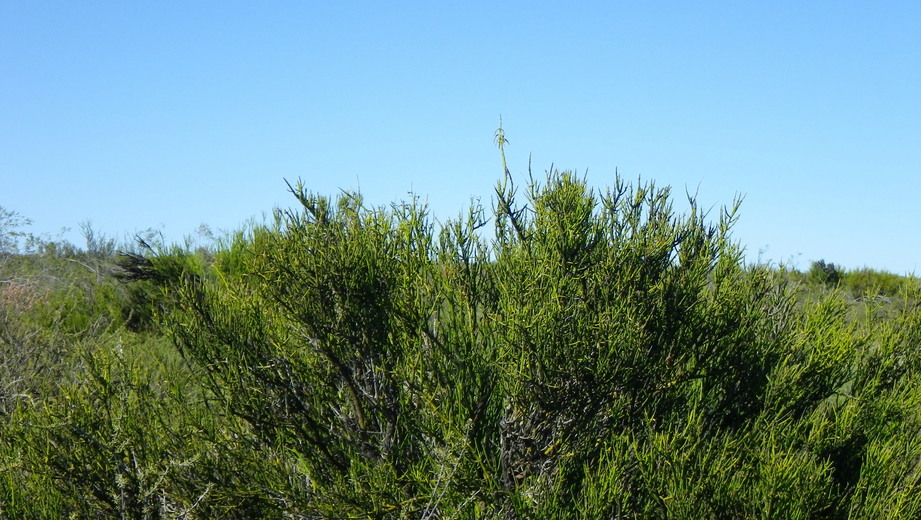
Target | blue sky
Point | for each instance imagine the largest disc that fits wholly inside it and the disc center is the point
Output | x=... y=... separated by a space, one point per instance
x=168 y=115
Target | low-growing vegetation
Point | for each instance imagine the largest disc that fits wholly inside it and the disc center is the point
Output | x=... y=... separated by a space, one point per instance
x=571 y=354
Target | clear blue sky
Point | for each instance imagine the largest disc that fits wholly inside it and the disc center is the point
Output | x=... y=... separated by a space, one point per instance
x=134 y=115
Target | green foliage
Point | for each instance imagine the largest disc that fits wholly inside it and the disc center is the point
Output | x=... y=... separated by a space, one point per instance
x=604 y=355
x=872 y=283
x=599 y=356
x=11 y=224
x=824 y=273
x=864 y=283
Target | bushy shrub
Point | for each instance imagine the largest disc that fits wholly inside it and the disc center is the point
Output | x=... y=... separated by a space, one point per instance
x=601 y=355
x=595 y=356
x=824 y=273
x=862 y=283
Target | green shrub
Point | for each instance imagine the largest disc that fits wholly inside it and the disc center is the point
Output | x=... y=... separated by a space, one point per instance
x=872 y=283
x=599 y=356
x=824 y=273
x=603 y=355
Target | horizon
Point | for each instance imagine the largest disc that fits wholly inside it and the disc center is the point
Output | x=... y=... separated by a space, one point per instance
x=170 y=116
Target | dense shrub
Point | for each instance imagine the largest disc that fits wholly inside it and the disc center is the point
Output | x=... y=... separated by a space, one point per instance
x=601 y=355
x=863 y=283
x=825 y=273
x=591 y=355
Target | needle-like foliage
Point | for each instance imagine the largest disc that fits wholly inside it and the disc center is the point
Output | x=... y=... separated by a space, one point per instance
x=577 y=354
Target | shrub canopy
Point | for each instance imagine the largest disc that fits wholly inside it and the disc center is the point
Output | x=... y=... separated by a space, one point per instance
x=596 y=355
